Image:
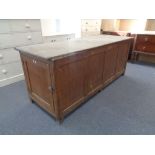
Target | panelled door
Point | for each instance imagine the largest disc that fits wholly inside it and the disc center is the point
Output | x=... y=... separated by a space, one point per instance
x=110 y=62
x=95 y=68
x=39 y=82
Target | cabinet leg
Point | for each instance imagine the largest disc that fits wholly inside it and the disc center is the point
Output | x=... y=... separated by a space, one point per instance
x=61 y=119
x=31 y=100
x=123 y=73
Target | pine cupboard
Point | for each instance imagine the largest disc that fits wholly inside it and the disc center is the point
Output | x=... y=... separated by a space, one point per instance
x=61 y=76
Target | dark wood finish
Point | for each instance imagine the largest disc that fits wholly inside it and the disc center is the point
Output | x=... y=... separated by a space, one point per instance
x=117 y=33
x=144 y=45
x=123 y=33
x=61 y=85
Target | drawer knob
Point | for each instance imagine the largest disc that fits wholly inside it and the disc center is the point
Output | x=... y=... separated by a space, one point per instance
x=146 y=39
x=29 y=37
x=1 y=56
x=144 y=47
x=4 y=71
x=34 y=61
x=27 y=25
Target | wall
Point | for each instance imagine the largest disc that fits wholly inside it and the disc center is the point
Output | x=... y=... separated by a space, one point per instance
x=150 y=26
x=61 y=26
x=133 y=25
x=110 y=24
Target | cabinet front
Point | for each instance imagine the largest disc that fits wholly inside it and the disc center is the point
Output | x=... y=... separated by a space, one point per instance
x=110 y=63
x=70 y=74
x=122 y=55
x=95 y=68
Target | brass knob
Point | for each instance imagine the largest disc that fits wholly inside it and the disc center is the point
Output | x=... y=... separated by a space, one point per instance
x=146 y=39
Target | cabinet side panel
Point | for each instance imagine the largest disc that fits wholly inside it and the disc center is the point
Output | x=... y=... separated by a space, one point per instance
x=37 y=75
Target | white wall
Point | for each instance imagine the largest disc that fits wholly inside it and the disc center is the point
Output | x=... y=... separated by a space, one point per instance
x=61 y=26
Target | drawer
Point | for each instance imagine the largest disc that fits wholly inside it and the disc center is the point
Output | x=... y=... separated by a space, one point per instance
x=19 y=25
x=91 y=22
x=9 y=55
x=37 y=37
x=59 y=38
x=86 y=29
x=10 y=70
x=146 y=39
x=6 y=41
x=69 y=37
x=145 y=48
x=35 y=24
x=21 y=39
x=25 y=25
x=4 y=26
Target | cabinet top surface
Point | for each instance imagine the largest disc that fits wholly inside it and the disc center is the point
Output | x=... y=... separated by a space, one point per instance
x=65 y=48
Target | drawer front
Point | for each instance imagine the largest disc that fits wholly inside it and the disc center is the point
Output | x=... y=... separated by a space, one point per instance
x=70 y=36
x=19 y=25
x=59 y=38
x=36 y=37
x=21 y=39
x=145 y=47
x=90 y=22
x=146 y=39
x=34 y=24
x=10 y=70
x=90 y=29
x=25 y=25
x=8 y=56
x=4 y=26
x=6 y=41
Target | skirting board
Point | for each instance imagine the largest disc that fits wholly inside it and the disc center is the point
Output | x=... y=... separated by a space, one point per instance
x=11 y=80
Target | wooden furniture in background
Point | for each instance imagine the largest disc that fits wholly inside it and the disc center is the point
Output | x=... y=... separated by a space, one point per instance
x=61 y=83
x=144 y=45
x=123 y=33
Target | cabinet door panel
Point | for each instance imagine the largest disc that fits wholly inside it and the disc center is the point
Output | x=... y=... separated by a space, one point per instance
x=122 y=55
x=38 y=78
x=95 y=69
x=70 y=80
x=110 y=63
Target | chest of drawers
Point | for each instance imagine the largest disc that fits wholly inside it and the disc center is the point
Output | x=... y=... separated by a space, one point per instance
x=90 y=27
x=14 y=33
x=145 y=43
x=144 y=46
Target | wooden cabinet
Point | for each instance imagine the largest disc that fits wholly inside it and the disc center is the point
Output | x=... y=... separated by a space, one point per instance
x=144 y=45
x=62 y=84
x=110 y=63
x=70 y=76
x=122 y=56
x=95 y=68
x=37 y=74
